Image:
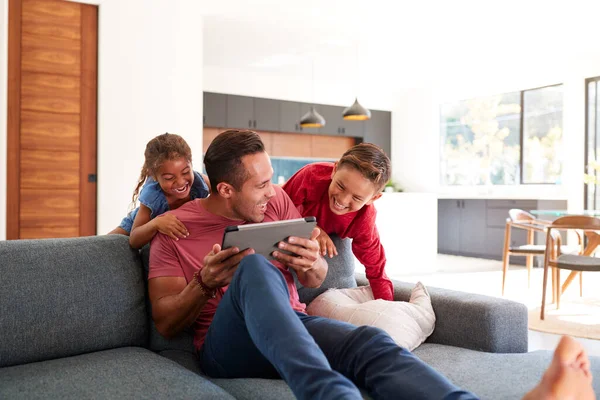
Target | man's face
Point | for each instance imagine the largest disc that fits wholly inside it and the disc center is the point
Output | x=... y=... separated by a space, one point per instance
x=250 y=202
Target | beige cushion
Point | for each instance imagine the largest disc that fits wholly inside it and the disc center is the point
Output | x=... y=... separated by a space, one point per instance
x=408 y=323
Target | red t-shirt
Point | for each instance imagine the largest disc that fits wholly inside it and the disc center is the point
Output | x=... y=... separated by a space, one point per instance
x=184 y=257
x=308 y=188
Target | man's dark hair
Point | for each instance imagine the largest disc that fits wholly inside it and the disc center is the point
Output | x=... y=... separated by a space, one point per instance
x=223 y=158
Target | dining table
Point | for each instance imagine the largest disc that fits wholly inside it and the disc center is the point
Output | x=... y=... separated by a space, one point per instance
x=593 y=237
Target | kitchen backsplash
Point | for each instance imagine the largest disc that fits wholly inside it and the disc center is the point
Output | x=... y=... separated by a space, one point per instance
x=285 y=167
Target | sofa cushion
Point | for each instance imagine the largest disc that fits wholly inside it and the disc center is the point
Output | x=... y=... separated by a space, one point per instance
x=70 y=296
x=492 y=375
x=128 y=372
x=408 y=323
x=340 y=273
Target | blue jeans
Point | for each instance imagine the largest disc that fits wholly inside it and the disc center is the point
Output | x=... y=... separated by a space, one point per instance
x=256 y=334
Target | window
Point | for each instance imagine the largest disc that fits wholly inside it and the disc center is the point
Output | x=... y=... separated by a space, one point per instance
x=481 y=139
x=592 y=143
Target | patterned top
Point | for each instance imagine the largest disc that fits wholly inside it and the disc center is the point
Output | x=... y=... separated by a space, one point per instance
x=154 y=198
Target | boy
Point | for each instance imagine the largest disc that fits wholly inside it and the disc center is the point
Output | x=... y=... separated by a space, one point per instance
x=341 y=195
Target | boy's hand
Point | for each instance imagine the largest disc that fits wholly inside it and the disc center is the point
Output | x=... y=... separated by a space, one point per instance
x=169 y=225
x=326 y=245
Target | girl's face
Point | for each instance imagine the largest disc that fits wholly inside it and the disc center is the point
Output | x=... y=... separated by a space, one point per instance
x=350 y=191
x=175 y=178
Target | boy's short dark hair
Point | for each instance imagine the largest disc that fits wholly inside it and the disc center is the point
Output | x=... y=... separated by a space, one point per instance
x=223 y=158
x=371 y=161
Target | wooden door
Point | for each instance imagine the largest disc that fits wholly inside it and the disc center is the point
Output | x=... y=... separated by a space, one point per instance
x=52 y=92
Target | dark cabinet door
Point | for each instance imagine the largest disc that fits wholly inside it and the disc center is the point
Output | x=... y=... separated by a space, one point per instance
x=378 y=130
x=215 y=109
x=266 y=114
x=289 y=116
x=449 y=226
x=473 y=227
x=240 y=112
x=333 y=119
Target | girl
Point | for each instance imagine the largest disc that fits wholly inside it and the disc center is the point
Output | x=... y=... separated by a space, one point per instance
x=167 y=181
x=341 y=195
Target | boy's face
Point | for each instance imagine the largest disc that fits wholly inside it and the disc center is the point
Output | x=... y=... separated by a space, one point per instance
x=175 y=178
x=350 y=190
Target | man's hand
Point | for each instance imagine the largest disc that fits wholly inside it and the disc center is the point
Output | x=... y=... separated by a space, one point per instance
x=326 y=245
x=169 y=225
x=220 y=265
x=305 y=252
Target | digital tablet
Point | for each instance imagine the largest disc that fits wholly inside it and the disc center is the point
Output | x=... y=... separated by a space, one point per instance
x=264 y=236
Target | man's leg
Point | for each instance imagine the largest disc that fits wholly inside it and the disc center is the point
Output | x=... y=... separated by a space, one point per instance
x=369 y=357
x=255 y=331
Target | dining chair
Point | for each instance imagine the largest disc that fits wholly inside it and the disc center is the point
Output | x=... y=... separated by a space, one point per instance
x=519 y=219
x=555 y=258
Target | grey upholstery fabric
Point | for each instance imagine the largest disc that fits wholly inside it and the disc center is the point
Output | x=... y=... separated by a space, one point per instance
x=578 y=263
x=492 y=376
x=472 y=321
x=63 y=297
x=127 y=372
x=339 y=275
x=182 y=342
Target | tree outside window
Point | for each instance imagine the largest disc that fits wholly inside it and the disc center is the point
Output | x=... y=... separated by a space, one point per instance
x=481 y=139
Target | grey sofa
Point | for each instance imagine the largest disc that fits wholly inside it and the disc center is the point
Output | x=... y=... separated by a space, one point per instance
x=75 y=323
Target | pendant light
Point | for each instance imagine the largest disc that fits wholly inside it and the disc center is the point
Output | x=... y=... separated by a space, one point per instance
x=312 y=119
x=356 y=112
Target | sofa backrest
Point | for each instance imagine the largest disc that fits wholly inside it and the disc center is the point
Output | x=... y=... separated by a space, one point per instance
x=62 y=297
x=339 y=275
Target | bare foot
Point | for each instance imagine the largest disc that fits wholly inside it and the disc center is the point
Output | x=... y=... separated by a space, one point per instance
x=568 y=377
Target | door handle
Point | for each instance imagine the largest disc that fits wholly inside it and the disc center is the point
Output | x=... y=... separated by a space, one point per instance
x=92 y=178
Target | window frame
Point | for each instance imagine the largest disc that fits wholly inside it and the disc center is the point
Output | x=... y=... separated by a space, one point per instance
x=586 y=160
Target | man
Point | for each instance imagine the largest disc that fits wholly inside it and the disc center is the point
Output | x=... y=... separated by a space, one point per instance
x=245 y=310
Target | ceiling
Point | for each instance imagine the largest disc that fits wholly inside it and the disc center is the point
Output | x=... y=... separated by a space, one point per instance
x=415 y=43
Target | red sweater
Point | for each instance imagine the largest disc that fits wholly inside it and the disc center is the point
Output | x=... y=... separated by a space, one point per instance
x=308 y=189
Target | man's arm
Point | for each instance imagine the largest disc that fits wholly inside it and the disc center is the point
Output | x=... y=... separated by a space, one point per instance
x=310 y=267
x=176 y=304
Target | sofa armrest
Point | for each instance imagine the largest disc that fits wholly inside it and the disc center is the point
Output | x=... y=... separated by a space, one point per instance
x=472 y=321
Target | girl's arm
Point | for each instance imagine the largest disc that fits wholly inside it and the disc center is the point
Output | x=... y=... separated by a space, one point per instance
x=143 y=229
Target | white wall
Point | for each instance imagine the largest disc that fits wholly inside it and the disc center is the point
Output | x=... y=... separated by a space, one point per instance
x=3 y=93
x=263 y=83
x=149 y=82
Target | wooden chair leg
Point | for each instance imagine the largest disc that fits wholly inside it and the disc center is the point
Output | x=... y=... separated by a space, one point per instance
x=554 y=286
x=505 y=255
x=544 y=285
x=529 y=264
x=529 y=259
x=558 y=288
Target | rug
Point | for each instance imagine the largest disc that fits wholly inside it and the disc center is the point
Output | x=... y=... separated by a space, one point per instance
x=579 y=317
